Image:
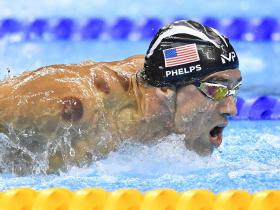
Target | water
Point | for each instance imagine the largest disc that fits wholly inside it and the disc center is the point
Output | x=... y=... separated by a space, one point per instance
x=258 y=60
x=247 y=159
x=110 y=9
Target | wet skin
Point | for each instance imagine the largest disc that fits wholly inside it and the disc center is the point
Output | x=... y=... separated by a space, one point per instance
x=196 y=115
x=79 y=113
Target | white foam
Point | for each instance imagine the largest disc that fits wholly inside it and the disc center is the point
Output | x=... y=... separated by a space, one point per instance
x=271 y=139
x=168 y=156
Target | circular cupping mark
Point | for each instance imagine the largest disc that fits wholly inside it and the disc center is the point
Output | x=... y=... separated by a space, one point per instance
x=72 y=108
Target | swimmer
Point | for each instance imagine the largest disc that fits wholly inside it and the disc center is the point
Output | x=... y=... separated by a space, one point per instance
x=185 y=84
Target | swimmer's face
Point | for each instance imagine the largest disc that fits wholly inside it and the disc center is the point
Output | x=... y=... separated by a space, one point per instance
x=202 y=119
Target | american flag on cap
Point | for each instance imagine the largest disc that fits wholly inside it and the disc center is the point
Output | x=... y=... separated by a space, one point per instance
x=180 y=55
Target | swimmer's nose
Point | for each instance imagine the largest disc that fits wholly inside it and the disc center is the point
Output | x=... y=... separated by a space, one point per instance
x=228 y=106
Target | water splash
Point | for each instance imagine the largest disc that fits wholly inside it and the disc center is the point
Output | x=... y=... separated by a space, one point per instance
x=25 y=152
x=245 y=161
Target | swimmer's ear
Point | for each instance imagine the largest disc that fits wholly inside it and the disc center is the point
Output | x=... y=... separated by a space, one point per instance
x=167 y=97
x=166 y=92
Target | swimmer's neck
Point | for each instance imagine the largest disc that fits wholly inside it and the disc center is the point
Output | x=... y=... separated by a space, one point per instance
x=157 y=105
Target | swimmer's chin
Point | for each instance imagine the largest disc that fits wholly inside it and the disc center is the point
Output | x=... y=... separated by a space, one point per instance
x=200 y=145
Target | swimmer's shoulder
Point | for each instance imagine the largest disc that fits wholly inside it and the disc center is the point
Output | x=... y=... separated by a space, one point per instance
x=137 y=60
x=115 y=76
x=132 y=64
x=128 y=65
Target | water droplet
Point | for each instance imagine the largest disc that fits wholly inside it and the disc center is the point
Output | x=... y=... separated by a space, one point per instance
x=72 y=152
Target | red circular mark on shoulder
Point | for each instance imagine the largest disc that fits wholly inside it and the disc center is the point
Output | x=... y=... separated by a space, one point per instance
x=101 y=84
x=72 y=108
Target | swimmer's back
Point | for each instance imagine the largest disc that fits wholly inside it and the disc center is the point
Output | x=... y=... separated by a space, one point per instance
x=49 y=91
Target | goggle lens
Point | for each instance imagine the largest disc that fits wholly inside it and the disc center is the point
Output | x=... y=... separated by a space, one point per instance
x=217 y=91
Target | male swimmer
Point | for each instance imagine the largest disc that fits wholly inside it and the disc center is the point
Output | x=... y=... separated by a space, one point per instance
x=185 y=84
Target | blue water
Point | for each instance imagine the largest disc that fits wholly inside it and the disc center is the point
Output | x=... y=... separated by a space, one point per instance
x=249 y=158
x=249 y=155
x=259 y=61
x=110 y=9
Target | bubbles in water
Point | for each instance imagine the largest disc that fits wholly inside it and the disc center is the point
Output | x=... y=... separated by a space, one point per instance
x=72 y=152
x=17 y=159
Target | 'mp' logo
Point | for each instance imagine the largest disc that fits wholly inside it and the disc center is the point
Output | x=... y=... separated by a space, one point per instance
x=231 y=56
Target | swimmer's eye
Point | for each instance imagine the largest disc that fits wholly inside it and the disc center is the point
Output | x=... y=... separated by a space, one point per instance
x=217 y=91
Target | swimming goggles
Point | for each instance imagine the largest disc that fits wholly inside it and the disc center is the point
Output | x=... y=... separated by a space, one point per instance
x=217 y=91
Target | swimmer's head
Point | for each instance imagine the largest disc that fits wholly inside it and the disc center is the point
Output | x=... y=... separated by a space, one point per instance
x=185 y=51
x=203 y=67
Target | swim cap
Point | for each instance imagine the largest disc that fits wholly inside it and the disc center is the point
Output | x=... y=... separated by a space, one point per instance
x=185 y=51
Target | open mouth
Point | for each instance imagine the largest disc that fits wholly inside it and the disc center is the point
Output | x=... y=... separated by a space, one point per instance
x=216 y=135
